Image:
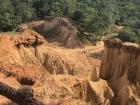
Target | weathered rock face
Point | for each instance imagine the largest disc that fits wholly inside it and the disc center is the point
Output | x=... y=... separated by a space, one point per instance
x=121 y=68
x=23 y=96
x=30 y=48
x=55 y=64
x=56 y=29
x=27 y=59
x=56 y=89
x=97 y=93
x=20 y=49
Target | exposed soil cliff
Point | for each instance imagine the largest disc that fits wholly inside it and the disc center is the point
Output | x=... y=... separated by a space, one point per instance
x=27 y=59
x=56 y=29
x=30 y=48
x=97 y=93
x=61 y=76
x=53 y=90
x=121 y=68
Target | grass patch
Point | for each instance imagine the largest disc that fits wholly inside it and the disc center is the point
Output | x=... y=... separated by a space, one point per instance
x=12 y=33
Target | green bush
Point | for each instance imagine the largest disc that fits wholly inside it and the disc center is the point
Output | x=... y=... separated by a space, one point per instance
x=129 y=35
x=12 y=33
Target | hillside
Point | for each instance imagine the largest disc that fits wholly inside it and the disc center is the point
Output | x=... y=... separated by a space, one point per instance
x=30 y=60
x=69 y=52
x=63 y=76
x=96 y=17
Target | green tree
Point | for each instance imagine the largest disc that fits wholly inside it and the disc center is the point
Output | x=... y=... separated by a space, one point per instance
x=7 y=19
x=93 y=16
x=129 y=35
x=24 y=10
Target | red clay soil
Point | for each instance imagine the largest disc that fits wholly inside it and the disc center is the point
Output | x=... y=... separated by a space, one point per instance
x=26 y=59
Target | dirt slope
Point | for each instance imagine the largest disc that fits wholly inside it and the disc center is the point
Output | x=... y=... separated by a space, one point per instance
x=57 y=29
x=56 y=74
x=62 y=76
x=29 y=48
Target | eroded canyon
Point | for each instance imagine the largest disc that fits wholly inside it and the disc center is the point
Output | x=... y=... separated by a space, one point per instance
x=90 y=75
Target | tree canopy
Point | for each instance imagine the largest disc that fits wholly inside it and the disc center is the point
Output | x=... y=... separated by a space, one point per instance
x=94 y=16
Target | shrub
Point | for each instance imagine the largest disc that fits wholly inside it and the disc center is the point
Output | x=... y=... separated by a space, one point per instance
x=129 y=35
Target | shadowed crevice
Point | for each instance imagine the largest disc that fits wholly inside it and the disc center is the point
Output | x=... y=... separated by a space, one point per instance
x=23 y=96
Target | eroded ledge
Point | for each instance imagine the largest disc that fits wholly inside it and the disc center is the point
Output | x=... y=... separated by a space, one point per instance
x=112 y=43
x=131 y=47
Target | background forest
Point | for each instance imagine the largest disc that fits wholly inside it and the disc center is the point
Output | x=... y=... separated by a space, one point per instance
x=98 y=17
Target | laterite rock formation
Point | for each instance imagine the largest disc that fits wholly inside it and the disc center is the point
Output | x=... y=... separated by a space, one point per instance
x=30 y=48
x=54 y=73
x=55 y=29
x=121 y=68
x=61 y=76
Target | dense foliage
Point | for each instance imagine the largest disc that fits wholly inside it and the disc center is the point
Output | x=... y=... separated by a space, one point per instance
x=94 y=16
x=129 y=35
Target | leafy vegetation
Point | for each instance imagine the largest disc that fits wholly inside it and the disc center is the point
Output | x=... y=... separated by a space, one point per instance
x=129 y=35
x=12 y=33
x=95 y=17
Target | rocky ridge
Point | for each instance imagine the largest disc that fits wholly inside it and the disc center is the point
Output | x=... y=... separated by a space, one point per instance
x=55 y=74
x=64 y=76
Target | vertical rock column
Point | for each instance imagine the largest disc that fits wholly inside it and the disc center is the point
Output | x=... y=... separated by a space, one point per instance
x=111 y=59
x=121 y=68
